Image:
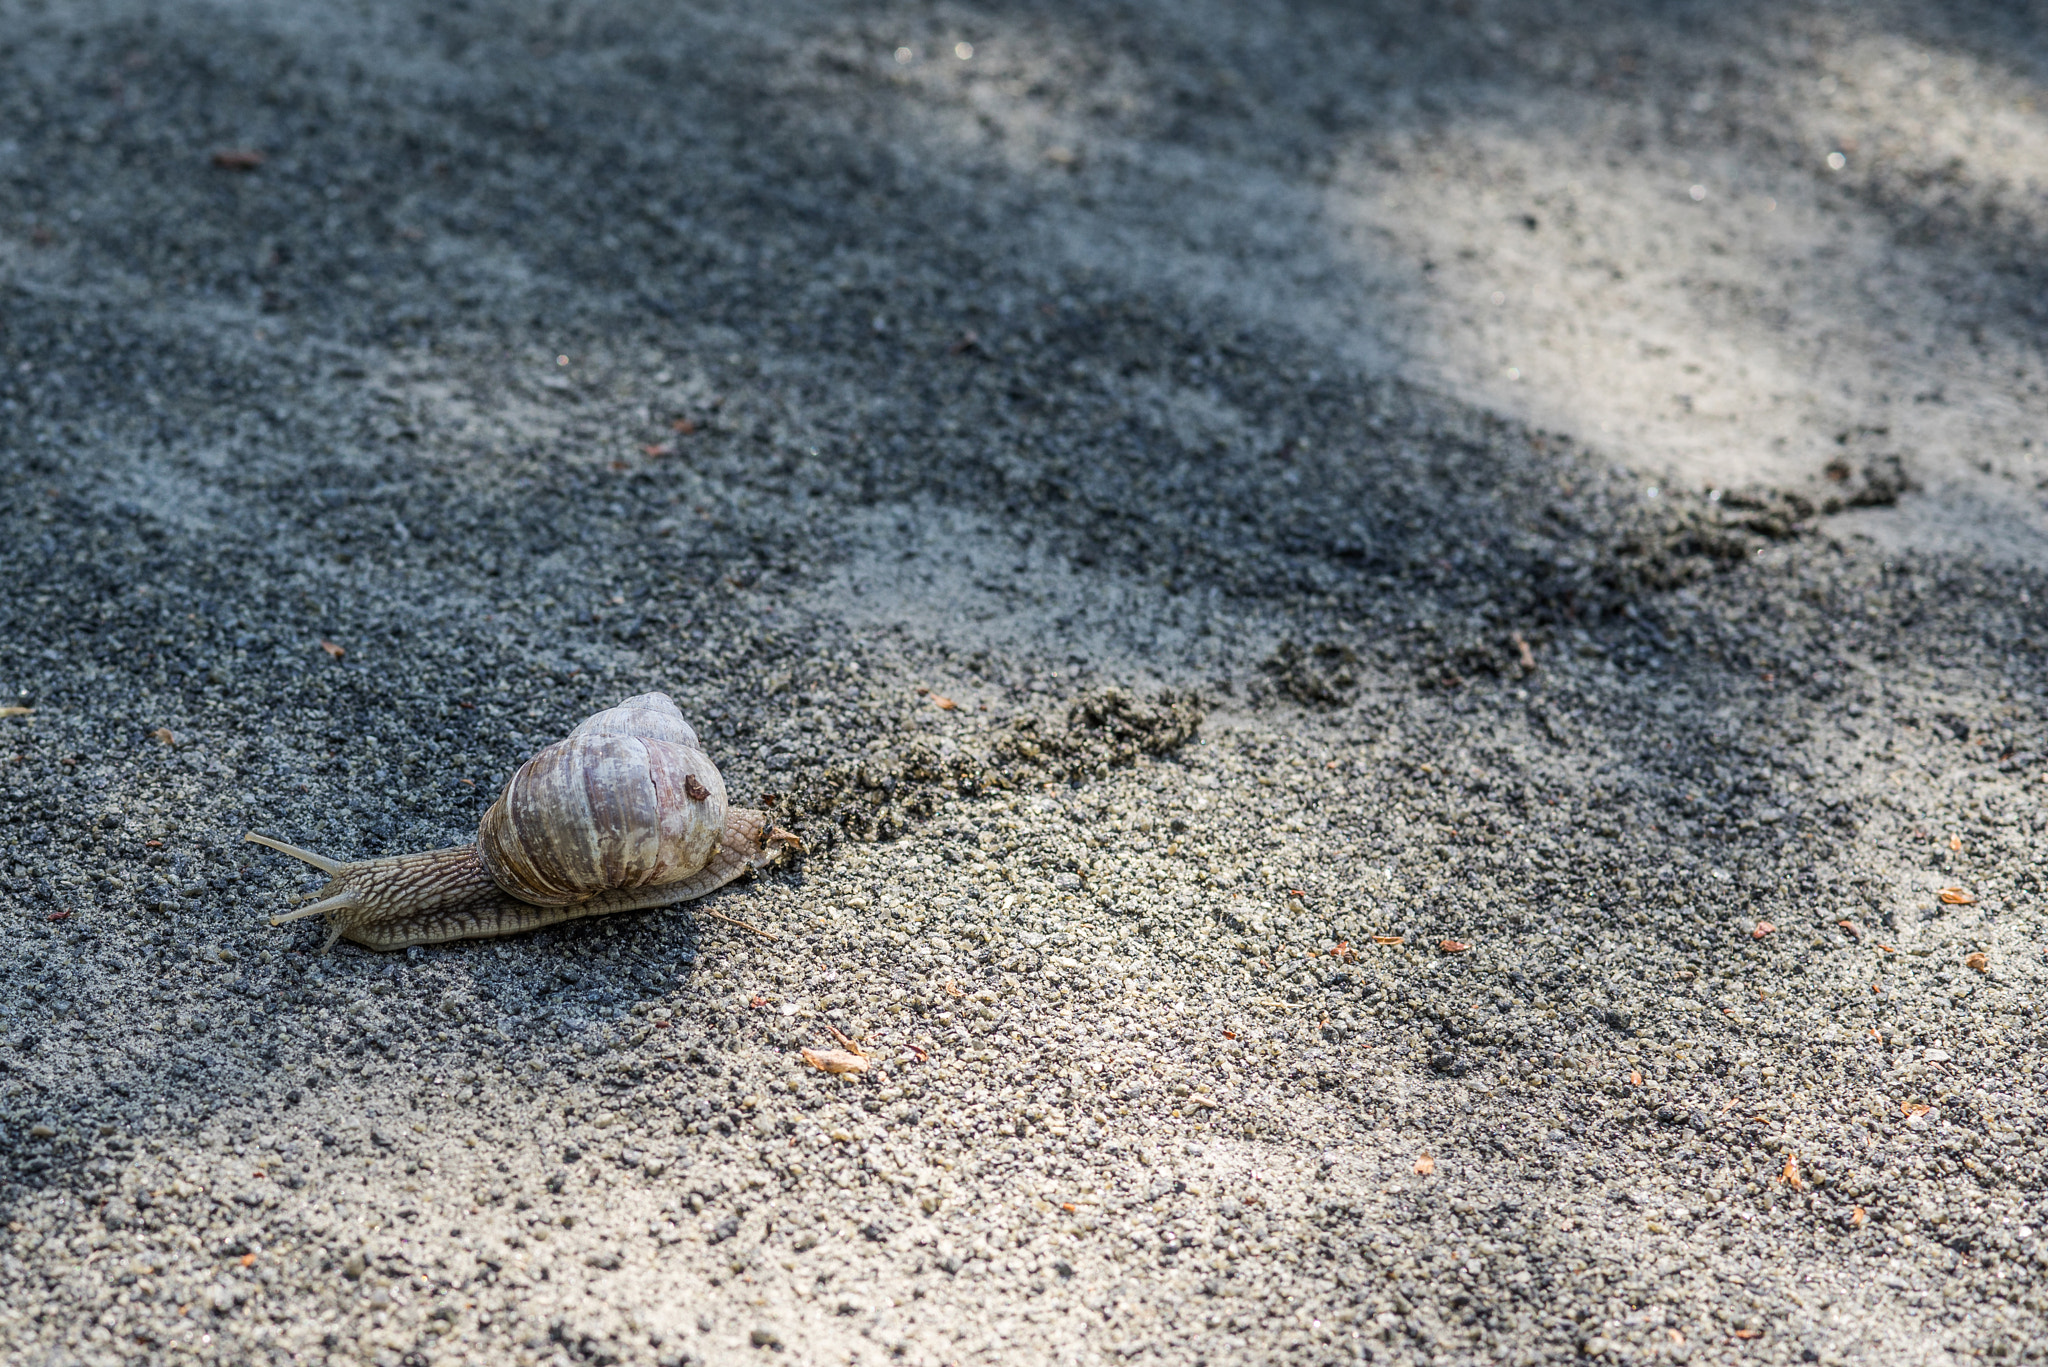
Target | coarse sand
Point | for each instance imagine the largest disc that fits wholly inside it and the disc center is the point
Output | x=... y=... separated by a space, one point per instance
x=1407 y=641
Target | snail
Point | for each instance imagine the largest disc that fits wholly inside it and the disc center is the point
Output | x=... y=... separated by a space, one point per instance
x=622 y=814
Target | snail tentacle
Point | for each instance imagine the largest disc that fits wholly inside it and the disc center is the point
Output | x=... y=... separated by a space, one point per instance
x=330 y=867
x=345 y=900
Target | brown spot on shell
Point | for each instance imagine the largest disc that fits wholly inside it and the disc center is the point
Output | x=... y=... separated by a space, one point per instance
x=697 y=791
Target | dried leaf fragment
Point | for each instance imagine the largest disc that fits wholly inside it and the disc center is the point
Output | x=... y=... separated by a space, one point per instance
x=1913 y=1108
x=1206 y=1103
x=1389 y=939
x=1635 y=1078
x=1956 y=897
x=16 y=711
x=1978 y=962
x=332 y=649
x=1791 y=1174
x=1424 y=1166
x=1857 y=1218
x=237 y=158
x=1850 y=926
x=733 y=921
x=944 y=703
x=654 y=450
x=1452 y=946
x=164 y=734
x=835 y=1061
x=1763 y=928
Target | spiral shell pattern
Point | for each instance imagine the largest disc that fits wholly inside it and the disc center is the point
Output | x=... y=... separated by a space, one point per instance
x=626 y=800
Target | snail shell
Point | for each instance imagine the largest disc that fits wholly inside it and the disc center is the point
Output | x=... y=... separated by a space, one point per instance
x=626 y=800
x=625 y=812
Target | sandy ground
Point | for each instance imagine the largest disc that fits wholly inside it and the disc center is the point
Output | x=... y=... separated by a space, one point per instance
x=1407 y=641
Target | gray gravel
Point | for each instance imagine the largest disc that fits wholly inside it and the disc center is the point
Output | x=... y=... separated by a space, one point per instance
x=1354 y=820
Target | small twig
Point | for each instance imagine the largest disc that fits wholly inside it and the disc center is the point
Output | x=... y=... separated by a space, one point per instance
x=764 y=934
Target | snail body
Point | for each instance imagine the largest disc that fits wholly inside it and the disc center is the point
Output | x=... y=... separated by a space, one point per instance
x=624 y=813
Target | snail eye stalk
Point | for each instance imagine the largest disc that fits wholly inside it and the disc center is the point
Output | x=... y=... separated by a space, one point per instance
x=330 y=867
